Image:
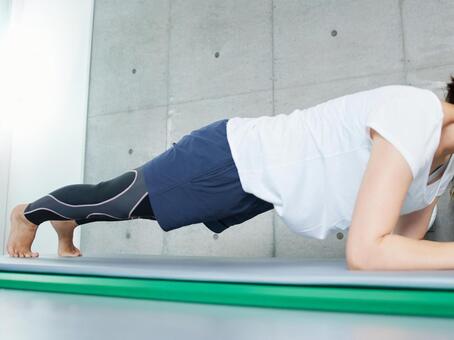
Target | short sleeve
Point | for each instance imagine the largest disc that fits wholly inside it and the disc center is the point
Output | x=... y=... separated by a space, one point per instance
x=411 y=122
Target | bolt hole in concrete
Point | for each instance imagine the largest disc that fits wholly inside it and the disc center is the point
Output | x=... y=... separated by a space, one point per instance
x=333 y=33
x=130 y=151
x=134 y=71
x=340 y=236
x=128 y=235
x=216 y=55
x=215 y=236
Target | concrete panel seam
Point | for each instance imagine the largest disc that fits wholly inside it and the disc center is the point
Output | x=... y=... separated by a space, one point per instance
x=89 y=95
x=221 y=97
x=273 y=84
x=402 y=30
x=164 y=245
x=428 y=67
x=88 y=90
x=133 y=110
x=365 y=76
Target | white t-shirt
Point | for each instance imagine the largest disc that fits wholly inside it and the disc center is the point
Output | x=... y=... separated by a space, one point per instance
x=309 y=164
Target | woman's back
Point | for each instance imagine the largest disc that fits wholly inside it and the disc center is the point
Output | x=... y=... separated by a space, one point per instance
x=309 y=164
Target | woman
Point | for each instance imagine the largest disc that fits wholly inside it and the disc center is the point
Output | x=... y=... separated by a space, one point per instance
x=375 y=162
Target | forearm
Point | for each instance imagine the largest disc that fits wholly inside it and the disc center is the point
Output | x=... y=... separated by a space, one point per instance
x=396 y=252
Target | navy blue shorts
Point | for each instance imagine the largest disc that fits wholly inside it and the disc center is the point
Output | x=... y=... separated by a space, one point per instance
x=196 y=181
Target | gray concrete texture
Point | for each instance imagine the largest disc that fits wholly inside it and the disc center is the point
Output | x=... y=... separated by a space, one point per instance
x=162 y=68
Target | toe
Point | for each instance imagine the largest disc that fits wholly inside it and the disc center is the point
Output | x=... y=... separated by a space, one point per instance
x=35 y=254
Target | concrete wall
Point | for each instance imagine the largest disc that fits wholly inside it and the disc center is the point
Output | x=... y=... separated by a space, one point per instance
x=163 y=68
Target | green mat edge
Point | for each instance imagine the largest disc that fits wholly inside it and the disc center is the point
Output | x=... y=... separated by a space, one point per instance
x=414 y=302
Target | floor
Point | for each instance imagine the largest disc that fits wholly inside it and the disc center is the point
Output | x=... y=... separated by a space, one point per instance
x=40 y=315
x=33 y=315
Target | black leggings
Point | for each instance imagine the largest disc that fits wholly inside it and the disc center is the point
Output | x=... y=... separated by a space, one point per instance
x=122 y=198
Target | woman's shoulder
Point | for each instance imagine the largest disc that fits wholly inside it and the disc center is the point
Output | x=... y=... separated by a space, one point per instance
x=404 y=92
x=389 y=95
x=406 y=99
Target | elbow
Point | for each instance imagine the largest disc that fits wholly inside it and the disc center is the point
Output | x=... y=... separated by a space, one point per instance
x=355 y=262
x=361 y=258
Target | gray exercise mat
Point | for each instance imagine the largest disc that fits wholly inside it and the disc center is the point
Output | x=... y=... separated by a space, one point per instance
x=285 y=271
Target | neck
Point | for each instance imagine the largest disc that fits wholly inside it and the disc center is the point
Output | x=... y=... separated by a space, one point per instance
x=446 y=146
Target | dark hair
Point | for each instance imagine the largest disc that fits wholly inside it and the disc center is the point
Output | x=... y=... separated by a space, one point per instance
x=450 y=88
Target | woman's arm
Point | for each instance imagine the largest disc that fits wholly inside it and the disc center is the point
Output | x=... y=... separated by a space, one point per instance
x=415 y=224
x=371 y=244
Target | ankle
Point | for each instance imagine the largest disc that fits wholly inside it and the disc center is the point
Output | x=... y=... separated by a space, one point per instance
x=18 y=214
x=65 y=238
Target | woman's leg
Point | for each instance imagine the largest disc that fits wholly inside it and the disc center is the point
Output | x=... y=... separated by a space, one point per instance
x=65 y=229
x=122 y=198
x=65 y=232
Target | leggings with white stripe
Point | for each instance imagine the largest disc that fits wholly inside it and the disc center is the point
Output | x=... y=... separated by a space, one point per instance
x=122 y=198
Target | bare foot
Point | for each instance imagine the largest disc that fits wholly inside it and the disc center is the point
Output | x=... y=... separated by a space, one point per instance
x=21 y=235
x=65 y=231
